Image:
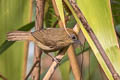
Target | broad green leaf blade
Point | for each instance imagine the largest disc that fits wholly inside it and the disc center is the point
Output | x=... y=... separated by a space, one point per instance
x=60 y=10
x=99 y=17
x=13 y=15
x=6 y=44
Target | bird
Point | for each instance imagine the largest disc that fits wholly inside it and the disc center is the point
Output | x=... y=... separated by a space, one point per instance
x=49 y=39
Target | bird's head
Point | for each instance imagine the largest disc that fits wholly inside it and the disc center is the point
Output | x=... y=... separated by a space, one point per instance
x=72 y=36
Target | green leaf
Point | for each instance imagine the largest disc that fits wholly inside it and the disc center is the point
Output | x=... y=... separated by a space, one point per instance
x=50 y=17
x=99 y=17
x=60 y=10
x=65 y=69
x=5 y=46
x=115 y=4
x=13 y=15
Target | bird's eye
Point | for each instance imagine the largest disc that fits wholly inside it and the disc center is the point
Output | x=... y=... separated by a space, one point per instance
x=74 y=37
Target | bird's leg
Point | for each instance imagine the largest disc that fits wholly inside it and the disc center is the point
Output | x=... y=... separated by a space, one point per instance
x=53 y=58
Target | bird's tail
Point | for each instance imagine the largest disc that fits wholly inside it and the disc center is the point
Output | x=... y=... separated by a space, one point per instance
x=19 y=35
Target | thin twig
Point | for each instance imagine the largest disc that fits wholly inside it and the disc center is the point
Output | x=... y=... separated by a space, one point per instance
x=2 y=77
x=38 y=26
x=74 y=64
x=55 y=64
x=95 y=40
x=26 y=47
x=31 y=70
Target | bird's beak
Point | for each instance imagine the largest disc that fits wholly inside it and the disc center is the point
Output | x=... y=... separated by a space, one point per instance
x=77 y=42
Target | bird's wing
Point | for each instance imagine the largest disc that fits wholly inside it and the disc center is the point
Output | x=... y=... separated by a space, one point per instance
x=44 y=39
x=53 y=38
x=38 y=35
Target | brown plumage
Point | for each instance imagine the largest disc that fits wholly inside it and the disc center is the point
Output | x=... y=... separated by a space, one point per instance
x=51 y=39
